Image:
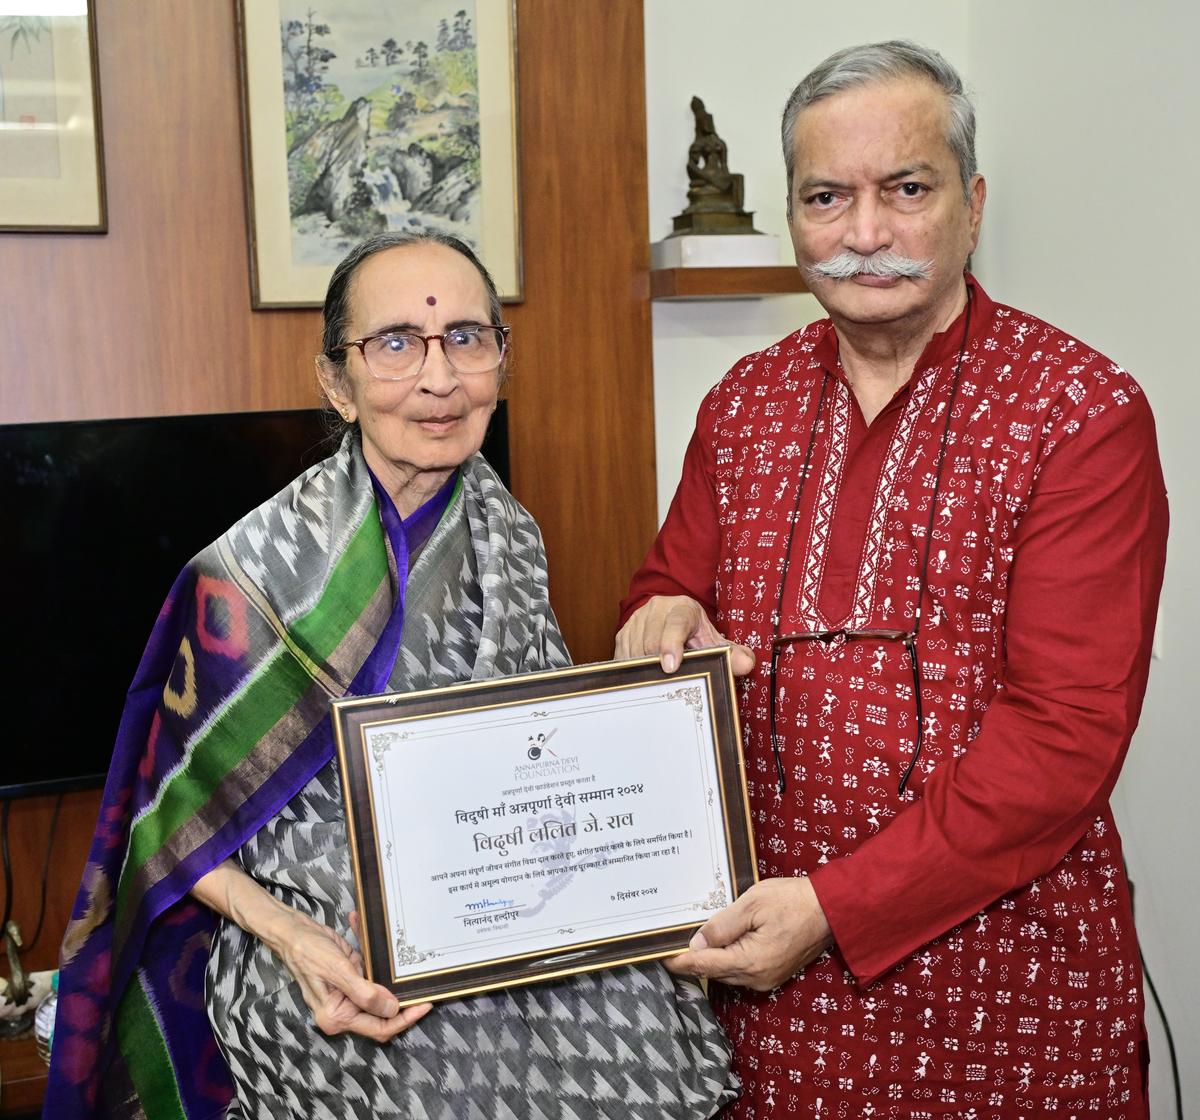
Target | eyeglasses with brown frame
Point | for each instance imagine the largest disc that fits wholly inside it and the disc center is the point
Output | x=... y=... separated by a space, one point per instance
x=399 y=355
x=825 y=637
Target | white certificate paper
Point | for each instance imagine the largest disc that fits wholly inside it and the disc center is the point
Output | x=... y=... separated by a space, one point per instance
x=535 y=829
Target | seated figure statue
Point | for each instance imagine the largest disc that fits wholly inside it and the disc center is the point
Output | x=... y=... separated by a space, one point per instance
x=714 y=193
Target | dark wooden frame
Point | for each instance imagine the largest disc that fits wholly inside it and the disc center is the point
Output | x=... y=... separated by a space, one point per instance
x=352 y=716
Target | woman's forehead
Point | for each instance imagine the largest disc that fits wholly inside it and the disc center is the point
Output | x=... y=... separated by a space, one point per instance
x=423 y=278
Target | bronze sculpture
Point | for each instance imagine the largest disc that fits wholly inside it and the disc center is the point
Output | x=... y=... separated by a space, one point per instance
x=715 y=194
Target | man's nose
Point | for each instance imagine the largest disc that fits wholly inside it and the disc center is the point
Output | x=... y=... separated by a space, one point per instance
x=868 y=226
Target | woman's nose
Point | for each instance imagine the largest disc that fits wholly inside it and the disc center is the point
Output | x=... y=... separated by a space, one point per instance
x=437 y=374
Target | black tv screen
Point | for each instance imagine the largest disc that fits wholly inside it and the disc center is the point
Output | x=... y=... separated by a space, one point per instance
x=102 y=515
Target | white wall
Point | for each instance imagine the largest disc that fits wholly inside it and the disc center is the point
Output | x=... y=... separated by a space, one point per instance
x=1089 y=115
x=1089 y=136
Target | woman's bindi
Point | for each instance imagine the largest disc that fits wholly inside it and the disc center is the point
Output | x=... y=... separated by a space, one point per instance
x=431 y=300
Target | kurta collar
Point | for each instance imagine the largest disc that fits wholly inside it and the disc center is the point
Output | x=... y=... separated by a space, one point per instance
x=942 y=347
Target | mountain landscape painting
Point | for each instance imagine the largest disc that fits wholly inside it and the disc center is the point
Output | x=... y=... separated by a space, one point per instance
x=381 y=115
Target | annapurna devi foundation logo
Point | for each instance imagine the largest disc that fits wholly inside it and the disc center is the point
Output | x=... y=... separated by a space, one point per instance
x=537 y=745
x=542 y=761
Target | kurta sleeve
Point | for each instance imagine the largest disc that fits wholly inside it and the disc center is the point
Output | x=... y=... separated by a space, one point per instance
x=1087 y=569
x=683 y=559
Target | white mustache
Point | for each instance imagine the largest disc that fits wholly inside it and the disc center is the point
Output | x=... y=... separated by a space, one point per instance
x=884 y=264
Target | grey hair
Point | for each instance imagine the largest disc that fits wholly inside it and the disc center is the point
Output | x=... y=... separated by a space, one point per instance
x=336 y=311
x=878 y=62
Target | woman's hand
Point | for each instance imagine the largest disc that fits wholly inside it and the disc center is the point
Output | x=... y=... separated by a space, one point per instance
x=330 y=975
x=328 y=970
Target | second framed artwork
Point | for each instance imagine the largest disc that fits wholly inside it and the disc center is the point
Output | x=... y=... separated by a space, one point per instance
x=363 y=116
x=51 y=152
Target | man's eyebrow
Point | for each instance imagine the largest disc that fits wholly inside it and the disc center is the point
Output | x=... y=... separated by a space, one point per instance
x=912 y=169
x=813 y=183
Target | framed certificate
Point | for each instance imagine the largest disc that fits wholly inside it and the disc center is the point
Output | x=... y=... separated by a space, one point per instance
x=520 y=829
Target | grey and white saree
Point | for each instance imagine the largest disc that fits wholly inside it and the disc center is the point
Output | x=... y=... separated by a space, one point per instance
x=625 y=1042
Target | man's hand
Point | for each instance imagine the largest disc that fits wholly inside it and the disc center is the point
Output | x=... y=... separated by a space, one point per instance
x=762 y=940
x=668 y=624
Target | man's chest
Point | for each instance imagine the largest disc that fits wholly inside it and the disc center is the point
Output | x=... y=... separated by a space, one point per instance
x=834 y=523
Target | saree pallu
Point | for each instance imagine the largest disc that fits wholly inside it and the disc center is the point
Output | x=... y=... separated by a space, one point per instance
x=227 y=719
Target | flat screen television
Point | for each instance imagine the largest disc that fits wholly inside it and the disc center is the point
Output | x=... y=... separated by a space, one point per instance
x=101 y=516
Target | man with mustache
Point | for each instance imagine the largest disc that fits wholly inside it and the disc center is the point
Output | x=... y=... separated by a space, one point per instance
x=933 y=528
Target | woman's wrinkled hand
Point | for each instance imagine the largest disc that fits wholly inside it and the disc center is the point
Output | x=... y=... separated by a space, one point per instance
x=327 y=968
x=330 y=974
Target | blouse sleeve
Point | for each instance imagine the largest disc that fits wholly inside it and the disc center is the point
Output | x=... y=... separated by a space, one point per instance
x=1089 y=556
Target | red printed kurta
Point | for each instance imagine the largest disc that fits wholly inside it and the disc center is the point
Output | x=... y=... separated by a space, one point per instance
x=985 y=962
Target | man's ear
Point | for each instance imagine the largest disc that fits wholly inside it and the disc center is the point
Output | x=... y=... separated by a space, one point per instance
x=977 y=196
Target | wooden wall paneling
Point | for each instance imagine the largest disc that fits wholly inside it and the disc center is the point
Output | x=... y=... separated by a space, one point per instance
x=30 y=837
x=153 y=317
x=582 y=412
x=34 y=833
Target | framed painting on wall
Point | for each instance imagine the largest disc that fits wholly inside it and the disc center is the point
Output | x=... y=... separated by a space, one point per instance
x=362 y=116
x=51 y=154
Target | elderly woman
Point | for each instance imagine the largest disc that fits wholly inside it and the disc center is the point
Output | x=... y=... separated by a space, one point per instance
x=209 y=969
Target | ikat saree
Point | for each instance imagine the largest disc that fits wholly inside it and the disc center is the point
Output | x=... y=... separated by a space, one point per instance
x=299 y=603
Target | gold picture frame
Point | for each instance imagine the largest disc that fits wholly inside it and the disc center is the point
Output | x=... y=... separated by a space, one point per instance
x=51 y=148
x=609 y=847
x=360 y=117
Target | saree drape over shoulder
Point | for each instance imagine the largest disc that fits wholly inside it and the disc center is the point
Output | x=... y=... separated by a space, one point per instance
x=226 y=734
